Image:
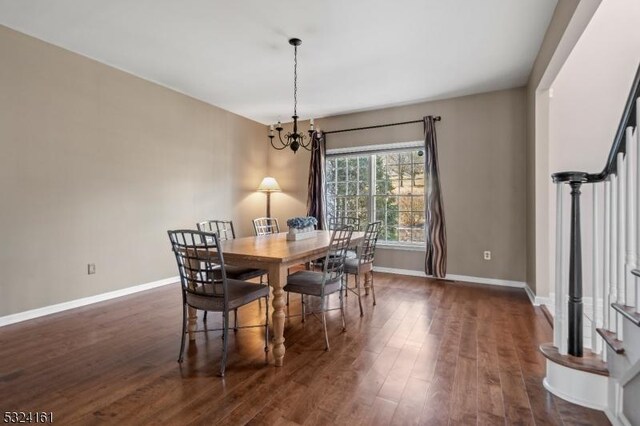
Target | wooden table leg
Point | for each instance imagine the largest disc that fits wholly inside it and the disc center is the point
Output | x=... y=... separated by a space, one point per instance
x=277 y=280
x=191 y=324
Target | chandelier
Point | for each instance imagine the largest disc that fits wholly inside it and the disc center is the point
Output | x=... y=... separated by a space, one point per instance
x=293 y=139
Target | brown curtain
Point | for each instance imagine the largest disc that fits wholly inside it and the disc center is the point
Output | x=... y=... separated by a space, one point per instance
x=316 y=196
x=435 y=262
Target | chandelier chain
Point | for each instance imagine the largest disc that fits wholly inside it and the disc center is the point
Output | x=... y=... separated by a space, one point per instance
x=295 y=80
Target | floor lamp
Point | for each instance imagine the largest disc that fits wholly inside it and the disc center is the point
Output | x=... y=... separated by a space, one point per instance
x=269 y=185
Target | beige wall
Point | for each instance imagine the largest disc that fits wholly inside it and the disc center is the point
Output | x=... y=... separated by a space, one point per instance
x=537 y=170
x=97 y=164
x=482 y=162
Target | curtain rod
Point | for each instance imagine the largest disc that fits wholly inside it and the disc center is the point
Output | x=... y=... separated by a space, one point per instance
x=436 y=118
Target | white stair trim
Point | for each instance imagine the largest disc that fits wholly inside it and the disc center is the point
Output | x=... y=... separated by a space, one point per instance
x=578 y=387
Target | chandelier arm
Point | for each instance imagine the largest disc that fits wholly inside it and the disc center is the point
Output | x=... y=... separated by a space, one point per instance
x=275 y=147
x=305 y=145
x=284 y=144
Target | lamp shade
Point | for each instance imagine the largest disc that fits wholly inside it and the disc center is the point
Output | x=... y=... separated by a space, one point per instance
x=269 y=184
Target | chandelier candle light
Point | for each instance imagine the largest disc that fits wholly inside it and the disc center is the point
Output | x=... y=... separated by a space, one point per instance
x=293 y=139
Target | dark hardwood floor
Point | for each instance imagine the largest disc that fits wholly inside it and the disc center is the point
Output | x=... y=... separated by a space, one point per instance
x=429 y=353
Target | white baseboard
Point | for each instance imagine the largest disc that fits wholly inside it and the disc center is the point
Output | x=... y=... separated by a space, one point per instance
x=59 y=307
x=478 y=280
x=531 y=295
x=544 y=301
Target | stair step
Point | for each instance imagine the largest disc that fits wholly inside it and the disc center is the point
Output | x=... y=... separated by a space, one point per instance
x=612 y=340
x=629 y=312
x=589 y=362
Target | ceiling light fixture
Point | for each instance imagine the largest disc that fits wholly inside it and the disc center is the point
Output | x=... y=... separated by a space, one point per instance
x=293 y=139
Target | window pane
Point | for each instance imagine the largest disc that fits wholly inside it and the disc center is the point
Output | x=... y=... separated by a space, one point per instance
x=418 y=235
x=404 y=203
x=417 y=203
x=394 y=187
x=341 y=169
x=382 y=187
x=392 y=233
x=363 y=167
x=392 y=159
x=351 y=203
x=352 y=188
x=352 y=167
x=331 y=170
x=406 y=220
x=404 y=174
x=363 y=203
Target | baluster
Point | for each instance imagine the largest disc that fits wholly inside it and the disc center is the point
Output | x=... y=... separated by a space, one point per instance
x=595 y=275
x=613 y=248
x=622 y=288
x=606 y=274
x=630 y=261
x=575 y=274
x=606 y=277
x=560 y=330
x=637 y=164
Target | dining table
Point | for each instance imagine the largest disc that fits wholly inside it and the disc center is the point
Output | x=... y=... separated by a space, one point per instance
x=275 y=254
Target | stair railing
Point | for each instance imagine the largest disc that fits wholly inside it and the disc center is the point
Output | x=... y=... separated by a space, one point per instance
x=619 y=251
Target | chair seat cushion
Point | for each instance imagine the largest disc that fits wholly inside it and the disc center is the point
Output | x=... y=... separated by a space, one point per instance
x=310 y=282
x=239 y=292
x=352 y=266
x=351 y=254
x=243 y=273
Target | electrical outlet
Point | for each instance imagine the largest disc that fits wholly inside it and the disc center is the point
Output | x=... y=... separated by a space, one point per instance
x=91 y=268
x=487 y=255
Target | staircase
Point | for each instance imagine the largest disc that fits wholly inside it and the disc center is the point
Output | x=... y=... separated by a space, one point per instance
x=594 y=359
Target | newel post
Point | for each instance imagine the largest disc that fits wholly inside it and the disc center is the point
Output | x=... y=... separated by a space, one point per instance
x=574 y=340
x=575 y=274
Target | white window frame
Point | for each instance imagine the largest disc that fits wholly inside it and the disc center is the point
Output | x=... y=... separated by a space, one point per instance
x=373 y=149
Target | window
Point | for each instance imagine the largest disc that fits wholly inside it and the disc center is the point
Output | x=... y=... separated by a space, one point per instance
x=387 y=186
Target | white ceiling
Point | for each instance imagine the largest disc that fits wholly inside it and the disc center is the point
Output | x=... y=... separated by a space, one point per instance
x=355 y=54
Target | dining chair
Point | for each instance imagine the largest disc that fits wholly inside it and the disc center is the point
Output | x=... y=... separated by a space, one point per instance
x=226 y=231
x=266 y=226
x=205 y=285
x=363 y=263
x=336 y=221
x=329 y=281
